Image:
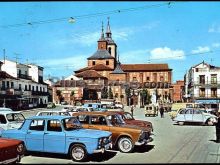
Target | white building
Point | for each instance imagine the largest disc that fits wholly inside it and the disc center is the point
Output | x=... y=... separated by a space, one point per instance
x=202 y=83
x=27 y=83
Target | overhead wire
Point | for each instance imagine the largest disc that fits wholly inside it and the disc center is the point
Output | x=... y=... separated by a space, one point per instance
x=88 y=15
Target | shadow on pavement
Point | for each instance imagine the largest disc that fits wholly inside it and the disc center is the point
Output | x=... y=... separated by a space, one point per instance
x=98 y=157
x=102 y=157
x=214 y=141
x=143 y=148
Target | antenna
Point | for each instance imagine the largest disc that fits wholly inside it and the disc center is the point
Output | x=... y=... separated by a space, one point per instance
x=16 y=57
x=4 y=55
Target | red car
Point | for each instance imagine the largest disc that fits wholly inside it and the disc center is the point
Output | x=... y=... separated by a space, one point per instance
x=11 y=150
x=127 y=117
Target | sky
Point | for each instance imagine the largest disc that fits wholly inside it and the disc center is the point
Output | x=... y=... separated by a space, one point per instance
x=181 y=34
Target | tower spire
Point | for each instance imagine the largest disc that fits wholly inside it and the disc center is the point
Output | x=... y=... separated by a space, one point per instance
x=102 y=33
x=108 y=30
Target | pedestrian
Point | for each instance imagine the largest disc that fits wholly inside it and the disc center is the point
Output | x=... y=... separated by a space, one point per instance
x=161 y=111
x=132 y=110
x=217 y=128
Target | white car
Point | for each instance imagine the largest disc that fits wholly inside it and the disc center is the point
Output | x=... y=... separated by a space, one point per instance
x=10 y=120
x=194 y=116
x=119 y=105
x=5 y=109
x=53 y=113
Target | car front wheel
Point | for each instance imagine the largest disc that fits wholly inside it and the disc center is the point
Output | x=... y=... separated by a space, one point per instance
x=181 y=123
x=125 y=145
x=210 y=122
x=78 y=152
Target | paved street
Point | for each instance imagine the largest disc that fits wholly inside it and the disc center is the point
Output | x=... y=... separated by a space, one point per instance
x=172 y=144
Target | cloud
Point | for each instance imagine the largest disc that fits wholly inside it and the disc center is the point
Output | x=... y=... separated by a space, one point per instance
x=166 y=53
x=216 y=45
x=214 y=29
x=201 y=49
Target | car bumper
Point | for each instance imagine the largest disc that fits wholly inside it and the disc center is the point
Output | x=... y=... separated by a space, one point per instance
x=103 y=149
x=144 y=141
x=12 y=160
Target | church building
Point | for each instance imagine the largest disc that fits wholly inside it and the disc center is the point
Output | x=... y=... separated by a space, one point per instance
x=104 y=67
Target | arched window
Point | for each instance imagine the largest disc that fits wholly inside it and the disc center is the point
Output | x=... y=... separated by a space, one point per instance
x=109 y=50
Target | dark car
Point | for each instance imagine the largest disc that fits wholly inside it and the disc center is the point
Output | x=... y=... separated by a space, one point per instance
x=127 y=117
x=11 y=150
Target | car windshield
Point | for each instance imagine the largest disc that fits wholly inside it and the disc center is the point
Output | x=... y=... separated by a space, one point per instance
x=15 y=117
x=115 y=119
x=128 y=116
x=71 y=124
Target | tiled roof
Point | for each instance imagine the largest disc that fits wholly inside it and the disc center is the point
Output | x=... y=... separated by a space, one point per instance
x=89 y=74
x=145 y=67
x=98 y=67
x=100 y=54
x=118 y=69
x=5 y=75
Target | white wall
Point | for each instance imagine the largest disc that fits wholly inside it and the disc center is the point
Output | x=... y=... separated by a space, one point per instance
x=10 y=67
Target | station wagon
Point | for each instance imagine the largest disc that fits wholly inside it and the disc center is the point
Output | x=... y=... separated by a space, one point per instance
x=60 y=134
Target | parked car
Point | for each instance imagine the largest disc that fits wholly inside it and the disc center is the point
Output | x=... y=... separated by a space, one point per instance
x=10 y=120
x=118 y=104
x=151 y=110
x=194 y=115
x=11 y=151
x=60 y=134
x=127 y=117
x=124 y=136
x=5 y=109
x=53 y=113
x=67 y=108
x=51 y=105
x=96 y=106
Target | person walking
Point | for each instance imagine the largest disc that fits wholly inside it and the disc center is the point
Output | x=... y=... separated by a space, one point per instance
x=161 y=111
x=217 y=128
x=132 y=110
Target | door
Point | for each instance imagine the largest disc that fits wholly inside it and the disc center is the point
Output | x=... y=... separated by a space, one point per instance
x=189 y=115
x=54 y=137
x=197 y=116
x=34 y=136
x=98 y=122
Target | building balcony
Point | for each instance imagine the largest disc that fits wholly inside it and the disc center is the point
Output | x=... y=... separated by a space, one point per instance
x=23 y=76
x=206 y=96
x=206 y=84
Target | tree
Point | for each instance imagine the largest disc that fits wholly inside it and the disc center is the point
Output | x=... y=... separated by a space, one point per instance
x=128 y=94
x=59 y=95
x=121 y=96
x=110 y=93
x=72 y=96
x=104 y=93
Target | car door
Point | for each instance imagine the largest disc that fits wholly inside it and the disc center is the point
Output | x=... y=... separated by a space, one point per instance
x=198 y=116
x=188 y=115
x=35 y=134
x=98 y=122
x=54 y=137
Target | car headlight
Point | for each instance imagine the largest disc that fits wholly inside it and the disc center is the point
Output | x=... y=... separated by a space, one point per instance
x=20 y=148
